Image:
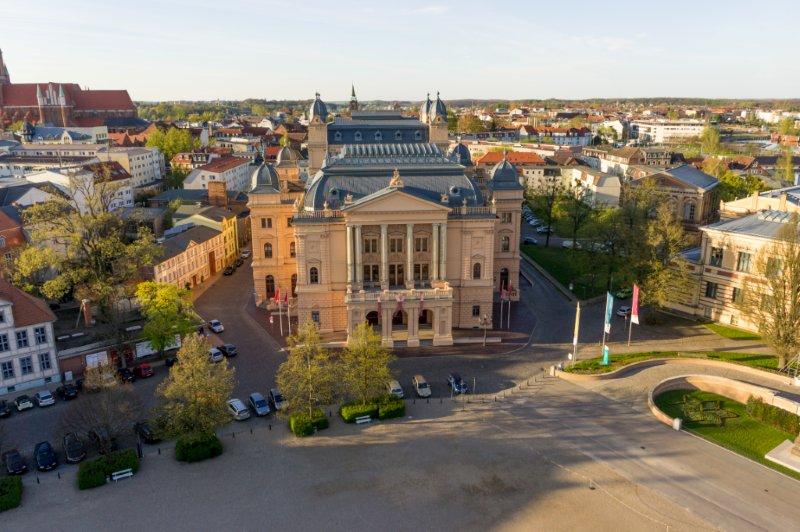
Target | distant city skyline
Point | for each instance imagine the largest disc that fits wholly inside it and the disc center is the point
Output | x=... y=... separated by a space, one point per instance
x=202 y=50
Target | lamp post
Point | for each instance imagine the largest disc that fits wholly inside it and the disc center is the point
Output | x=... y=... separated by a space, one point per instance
x=485 y=321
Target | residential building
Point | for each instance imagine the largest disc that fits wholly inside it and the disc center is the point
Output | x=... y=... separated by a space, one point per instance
x=560 y=136
x=603 y=189
x=145 y=165
x=666 y=131
x=114 y=192
x=217 y=218
x=781 y=199
x=191 y=160
x=618 y=160
x=190 y=257
x=27 y=344
x=233 y=171
x=12 y=235
x=529 y=164
x=393 y=233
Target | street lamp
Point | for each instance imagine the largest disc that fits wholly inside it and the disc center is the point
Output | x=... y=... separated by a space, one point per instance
x=485 y=322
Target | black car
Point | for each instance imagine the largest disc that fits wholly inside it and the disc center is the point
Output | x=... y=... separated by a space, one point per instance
x=101 y=439
x=126 y=375
x=5 y=410
x=228 y=271
x=229 y=350
x=67 y=391
x=455 y=382
x=170 y=361
x=45 y=456
x=146 y=432
x=74 y=448
x=15 y=463
x=239 y=262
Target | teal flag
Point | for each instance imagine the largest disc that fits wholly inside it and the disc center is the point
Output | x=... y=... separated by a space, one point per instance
x=609 y=312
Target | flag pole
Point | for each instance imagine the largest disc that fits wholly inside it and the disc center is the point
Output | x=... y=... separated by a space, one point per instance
x=280 y=314
x=575 y=334
x=288 y=316
x=630 y=330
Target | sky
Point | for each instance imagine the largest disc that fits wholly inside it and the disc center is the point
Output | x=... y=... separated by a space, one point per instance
x=236 y=49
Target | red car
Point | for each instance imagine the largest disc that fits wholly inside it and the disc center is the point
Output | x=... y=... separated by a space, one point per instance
x=143 y=371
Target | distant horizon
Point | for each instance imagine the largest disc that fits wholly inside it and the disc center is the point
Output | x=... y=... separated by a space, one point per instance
x=487 y=100
x=199 y=50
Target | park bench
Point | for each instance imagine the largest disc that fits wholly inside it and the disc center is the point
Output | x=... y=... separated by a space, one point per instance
x=122 y=473
x=360 y=420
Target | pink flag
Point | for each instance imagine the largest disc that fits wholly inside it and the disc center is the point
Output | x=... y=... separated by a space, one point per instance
x=635 y=305
x=286 y=298
x=399 y=298
x=277 y=296
x=422 y=304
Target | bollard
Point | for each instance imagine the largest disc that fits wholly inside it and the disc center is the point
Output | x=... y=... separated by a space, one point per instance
x=59 y=475
x=270 y=426
x=440 y=400
x=428 y=400
x=37 y=479
x=330 y=413
x=159 y=451
x=414 y=401
x=495 y=398
x=251 y=431
x=233 y=435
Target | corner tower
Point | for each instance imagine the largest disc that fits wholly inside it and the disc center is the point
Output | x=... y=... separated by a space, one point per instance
x=437 y=124
x=317 y=135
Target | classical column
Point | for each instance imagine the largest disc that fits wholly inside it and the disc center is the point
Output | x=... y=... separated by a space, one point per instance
x=349 y=254
x=443 y=252
x=435 y=265
x=384 y=256
x=410 y=255
x=359 y=257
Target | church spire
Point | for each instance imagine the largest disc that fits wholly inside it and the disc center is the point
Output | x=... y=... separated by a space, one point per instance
x=353 y=99
x=4 y=77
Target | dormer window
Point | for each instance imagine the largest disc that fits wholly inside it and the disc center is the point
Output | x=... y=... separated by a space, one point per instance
x=358 y=136
x=417 y=135
x=2 y=316
x=378 y=136
x=397 y=135
x=337 y=136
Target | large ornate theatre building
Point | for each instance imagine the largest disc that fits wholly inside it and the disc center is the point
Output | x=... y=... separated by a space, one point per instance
x=387 y=228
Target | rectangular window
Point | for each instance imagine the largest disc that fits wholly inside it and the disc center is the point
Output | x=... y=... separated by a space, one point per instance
x=421 y=271
x=774 y=267
x=4 y=342
x=743 y=262
x=26 y=365
x=44 y=361
x=370 y=245
x=315 y=316
x=476 y=311
x=396 y=245
x=289 y=221
x=736 y=296
x=2 y=317
x=711 y=290
x=505 y=217
x=421 y=244
x=716 y=256
x=8 y=370
x=40 y=334
x=22 y=339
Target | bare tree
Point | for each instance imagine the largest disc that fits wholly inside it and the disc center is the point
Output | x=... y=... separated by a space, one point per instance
x=770 y=297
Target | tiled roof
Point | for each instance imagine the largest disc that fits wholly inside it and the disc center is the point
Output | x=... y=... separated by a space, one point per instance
x=179 y=243
x=27 y=310
x=223 y=164
x=691 y=175
x=514 y=157
x=24 y=95
x=114 y=170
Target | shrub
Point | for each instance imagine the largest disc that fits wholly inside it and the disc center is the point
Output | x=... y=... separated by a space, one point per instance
x=93 y=473
x=350 y=411
x=390 y=409
x=197 y=447
x=10 y=493
x=772 y=415
x=302 y=424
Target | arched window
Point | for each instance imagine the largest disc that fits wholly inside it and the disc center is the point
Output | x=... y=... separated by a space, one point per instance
x=476 y=270
x=378 y=136
x=358 y=136
x=294 y=285
x=505 y=243
x=292 y=250
x=270 y=286
x=267 y=250
x=313 y=275
x=688 y=211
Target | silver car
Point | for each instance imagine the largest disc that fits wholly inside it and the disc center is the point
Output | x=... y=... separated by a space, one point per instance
x=44 y=398
x=259 y=404
x=238 y=410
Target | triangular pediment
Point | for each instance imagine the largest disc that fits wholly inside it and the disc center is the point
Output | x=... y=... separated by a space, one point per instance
x=666 y=180
x=394 y=200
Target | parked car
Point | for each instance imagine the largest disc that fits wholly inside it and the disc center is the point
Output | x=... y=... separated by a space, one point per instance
x=74 y=448
x=5 y=408
x=456 y=383
x=259 y=404
x=145 y=431
x=126 y=375
x=275 y=399
x=44 y=456
x=623 y=293
x=228 y=350
x=215 y=355
x=201 y=329
x=395 y=389
x=543 y=230
x=421 y=386
x=238 y=410
x=67 y=391
x=144 y=370
x=238 y=262
x=569 y=244
x=104 y=441
x=216 y=326
x=228 y=270
x=14 y=462
x=44 y=398
x=23 y=402
x=530 y=241
x=246 y=254
x=624 y=311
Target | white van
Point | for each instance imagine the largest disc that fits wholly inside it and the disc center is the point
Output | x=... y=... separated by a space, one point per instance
x=421 y=386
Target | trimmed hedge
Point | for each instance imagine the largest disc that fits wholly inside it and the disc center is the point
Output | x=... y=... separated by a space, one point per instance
x=197 y=447
x=93 y=473
x=10 y=493
x=302 y=424
x=383 y=407
x=350 y=411
x=390 y=409
x=772 y=415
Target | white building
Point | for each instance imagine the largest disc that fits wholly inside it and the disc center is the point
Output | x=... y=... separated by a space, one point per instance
x=665 y=131
x=80 y=183
x=605 y=189
x=27 y=343
x=235 y=172
x=145 y=165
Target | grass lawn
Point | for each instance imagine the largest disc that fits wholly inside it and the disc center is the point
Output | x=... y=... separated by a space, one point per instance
x=731 y=333
x=567 y=266
x=593 y=365
x=742 y=434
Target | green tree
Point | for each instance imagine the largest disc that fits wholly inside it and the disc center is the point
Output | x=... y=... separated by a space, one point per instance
x=168 y=311
x=544 y=197
x=709 y=141
x=771 y=296
x=307 y=378
x=786 y=167
x=193 y=397
x=365 y=364
x=786 y=126
x=575 y=208
x=79 y=246
x=469 y=123
x=173 y=141
x=452 y=121
x=16 y=126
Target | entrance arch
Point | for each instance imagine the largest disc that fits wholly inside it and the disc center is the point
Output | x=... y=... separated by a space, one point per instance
x=373 y=320
x=426 y=319
x=270 y=282
x=400 y=321
x=294 y=285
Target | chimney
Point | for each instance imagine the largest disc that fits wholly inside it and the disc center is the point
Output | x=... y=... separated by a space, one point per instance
x=217 y=194
x=86 y=307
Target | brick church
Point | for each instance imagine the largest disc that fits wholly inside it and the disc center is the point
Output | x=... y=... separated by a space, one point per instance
x=61 y=104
